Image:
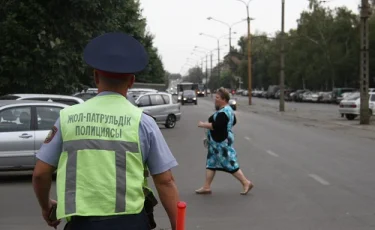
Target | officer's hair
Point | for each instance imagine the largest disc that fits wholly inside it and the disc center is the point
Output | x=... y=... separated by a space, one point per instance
x=223 y=93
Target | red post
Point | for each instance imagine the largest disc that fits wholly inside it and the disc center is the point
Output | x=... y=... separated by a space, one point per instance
x=181 y=212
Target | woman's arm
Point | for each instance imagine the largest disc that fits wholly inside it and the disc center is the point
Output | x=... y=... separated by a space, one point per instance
x=206 y=125
x=220 y=123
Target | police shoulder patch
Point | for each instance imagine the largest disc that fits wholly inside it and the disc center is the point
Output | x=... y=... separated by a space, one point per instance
x=50 y=135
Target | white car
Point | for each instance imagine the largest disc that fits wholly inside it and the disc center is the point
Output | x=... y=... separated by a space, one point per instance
x=64 y=99
x=161 y=107
x=24 y=125
x=350 y=106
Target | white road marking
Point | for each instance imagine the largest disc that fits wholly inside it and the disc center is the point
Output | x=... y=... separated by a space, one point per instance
x=319 y=179
x=248 y=138
x=272 y=153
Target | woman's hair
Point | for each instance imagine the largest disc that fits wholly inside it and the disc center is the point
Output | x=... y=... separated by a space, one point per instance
x=223 y=93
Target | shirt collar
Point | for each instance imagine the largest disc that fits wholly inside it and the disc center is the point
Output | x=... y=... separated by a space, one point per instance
x=107 y=93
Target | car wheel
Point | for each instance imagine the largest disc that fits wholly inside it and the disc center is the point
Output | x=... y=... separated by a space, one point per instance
x=350 y=116
x=170 y=122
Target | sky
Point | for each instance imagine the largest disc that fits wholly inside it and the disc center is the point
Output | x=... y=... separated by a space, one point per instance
x=177 y=24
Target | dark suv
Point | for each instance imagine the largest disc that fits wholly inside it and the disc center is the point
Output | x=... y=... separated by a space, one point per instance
x=189 y=96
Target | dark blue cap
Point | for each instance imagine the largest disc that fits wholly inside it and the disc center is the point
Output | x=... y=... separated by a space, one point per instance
x=116 y=53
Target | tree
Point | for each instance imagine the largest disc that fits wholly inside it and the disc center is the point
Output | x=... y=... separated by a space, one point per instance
x=195 y=75
x=321 y=53
x=42 y=42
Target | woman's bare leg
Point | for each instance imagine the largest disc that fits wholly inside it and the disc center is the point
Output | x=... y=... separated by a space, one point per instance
x=210 y=174
x=247 y=184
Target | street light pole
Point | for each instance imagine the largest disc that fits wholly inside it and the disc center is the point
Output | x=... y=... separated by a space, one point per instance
x=248 y=50
x=282 y=61
x=230 y=29
x=218 y=58
x=364 y=69
x=211 y=66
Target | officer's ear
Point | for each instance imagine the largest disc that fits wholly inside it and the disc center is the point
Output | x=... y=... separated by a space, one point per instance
x=131 y=81
x=96 y=77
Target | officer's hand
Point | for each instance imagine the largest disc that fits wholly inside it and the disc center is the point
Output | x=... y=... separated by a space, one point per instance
x=46 y=215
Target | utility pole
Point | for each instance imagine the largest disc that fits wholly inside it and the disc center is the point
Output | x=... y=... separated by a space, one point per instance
x=202 y=70
x=211 y=66
x=218 y=58
x=211 y=71
x=249 y=54
x=206 y=76
x=248 y=49
x=282 y=59
x=364 y=69
x=230 y=39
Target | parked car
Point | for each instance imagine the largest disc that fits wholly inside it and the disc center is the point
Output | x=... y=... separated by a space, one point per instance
x=350 y=106
x=325 y=97
x=189 y=96
x=24 y=125
x=85 y=96
x=272 y=89
x=136 y=92
x=92 y=90
x=64 y=99
x=233 y=103
x=309 y=96
x=161 y=107
x=337 y=94
x=298 y=95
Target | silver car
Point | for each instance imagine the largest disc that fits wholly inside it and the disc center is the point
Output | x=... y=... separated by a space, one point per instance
x=136 y=92
x=64 y=99
x=160 y=106
x=24 y=125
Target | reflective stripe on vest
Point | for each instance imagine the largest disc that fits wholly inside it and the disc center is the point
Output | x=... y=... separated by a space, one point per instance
x=119 y=147
x=100 y=171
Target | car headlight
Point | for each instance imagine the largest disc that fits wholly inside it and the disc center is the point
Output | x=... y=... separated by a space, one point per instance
x=233 y=102
x=184 y=98
x=179 y=98
x=194 y=98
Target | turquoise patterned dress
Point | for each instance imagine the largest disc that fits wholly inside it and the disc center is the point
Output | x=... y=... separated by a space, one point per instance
x=221 y=155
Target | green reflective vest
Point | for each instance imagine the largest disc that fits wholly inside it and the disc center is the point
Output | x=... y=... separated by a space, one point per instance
x=100 y=171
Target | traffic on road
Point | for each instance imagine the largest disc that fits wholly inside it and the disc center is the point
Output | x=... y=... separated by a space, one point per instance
x=313 y=173
x=187 y=115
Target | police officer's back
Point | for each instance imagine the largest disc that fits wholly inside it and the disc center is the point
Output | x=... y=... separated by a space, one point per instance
x=102 y=147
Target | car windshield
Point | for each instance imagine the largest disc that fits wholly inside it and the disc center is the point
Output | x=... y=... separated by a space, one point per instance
x=189 y=93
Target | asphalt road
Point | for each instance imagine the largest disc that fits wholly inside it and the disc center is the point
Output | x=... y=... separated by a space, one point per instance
x=305 y=178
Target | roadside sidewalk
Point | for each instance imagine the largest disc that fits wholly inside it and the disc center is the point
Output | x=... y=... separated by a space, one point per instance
x=311 y=117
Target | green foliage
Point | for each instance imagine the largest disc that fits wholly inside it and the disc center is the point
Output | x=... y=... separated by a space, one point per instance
x=321 y=53
x=42 y=42
x=195 y=75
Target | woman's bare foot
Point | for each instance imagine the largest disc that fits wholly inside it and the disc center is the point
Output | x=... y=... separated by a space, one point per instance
x=203 y=191
x=247 y=187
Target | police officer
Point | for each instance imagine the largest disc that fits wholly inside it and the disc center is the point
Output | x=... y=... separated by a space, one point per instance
x=102 y=147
